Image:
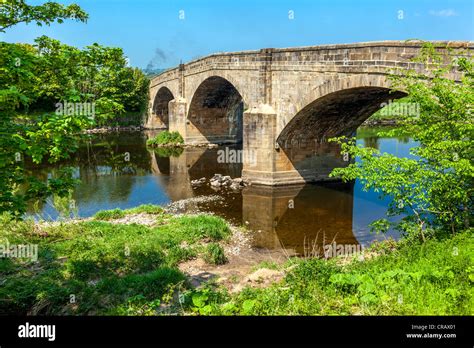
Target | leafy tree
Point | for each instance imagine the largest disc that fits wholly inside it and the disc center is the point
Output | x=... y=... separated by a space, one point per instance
x=38 y=85
x=432 y=191
x=44 y=136
x=13 y=12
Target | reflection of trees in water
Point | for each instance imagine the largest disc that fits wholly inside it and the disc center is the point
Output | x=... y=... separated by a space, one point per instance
x=403 y=139
x=107 y=166
x=373 y=142
x=168 y=151
x=116 y=154
x=64 y=205
x=106 y=188
x=119 y=163
x=36 y=206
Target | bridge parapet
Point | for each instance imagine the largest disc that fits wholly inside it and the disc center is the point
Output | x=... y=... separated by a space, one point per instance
x=340 y=54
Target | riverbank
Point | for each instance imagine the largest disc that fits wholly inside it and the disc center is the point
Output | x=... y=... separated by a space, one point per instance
x=434 y=278
x=146 y=261
x=379 y=123
x=114 y=129
x=119 y=262
x=370 y=122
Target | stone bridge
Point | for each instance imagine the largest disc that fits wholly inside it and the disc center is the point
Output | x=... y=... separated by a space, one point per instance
x=282 y=104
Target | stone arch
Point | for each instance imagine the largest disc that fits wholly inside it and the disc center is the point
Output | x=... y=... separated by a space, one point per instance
x=215 y=112
x=243 y=84
x=337 y=107
x=160 y=110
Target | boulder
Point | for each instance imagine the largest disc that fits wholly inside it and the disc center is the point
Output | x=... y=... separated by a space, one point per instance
x=198 y=182
x=215 y=183
x=216 y=177
x=234 y=186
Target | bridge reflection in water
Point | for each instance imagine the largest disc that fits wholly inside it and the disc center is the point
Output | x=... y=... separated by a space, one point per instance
x=300 y=219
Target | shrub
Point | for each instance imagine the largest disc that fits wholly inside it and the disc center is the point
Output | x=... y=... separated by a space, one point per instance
x=166 y=138
x=202 y=226
x=433 y=278
x=432 y=189
x=214 y=254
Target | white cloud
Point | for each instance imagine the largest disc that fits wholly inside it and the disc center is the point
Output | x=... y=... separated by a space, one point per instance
x=444 y=13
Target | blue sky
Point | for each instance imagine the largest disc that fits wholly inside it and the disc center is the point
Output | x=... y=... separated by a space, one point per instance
x=152 y=31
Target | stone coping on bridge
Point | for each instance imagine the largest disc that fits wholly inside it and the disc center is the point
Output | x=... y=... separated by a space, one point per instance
x=387 y=43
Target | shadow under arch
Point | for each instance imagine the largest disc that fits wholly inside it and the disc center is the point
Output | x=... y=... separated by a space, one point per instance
x=215 y=113
x=160 y=110
x=303 y=143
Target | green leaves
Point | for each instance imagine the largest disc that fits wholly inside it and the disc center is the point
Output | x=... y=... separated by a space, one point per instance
x=248 y=306
x=13 y=12
x=380 y=226
x=214 y=254
x=200 y=301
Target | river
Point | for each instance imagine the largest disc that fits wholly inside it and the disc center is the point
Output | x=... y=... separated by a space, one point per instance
x=116 y=170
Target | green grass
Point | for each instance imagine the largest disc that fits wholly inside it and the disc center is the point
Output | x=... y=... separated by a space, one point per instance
x=435 y=278
x=145 y=208
x=109 y=214
x=166 y=138
x=119 y=213
x=266 y=264
x=117 y=269
x=105 y=268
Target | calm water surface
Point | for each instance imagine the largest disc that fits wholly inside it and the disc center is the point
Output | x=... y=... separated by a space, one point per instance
x=322 y=212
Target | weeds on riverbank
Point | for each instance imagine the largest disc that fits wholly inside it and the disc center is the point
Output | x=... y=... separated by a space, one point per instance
x=214 y=254
x=434 y=278
x=96 y=267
